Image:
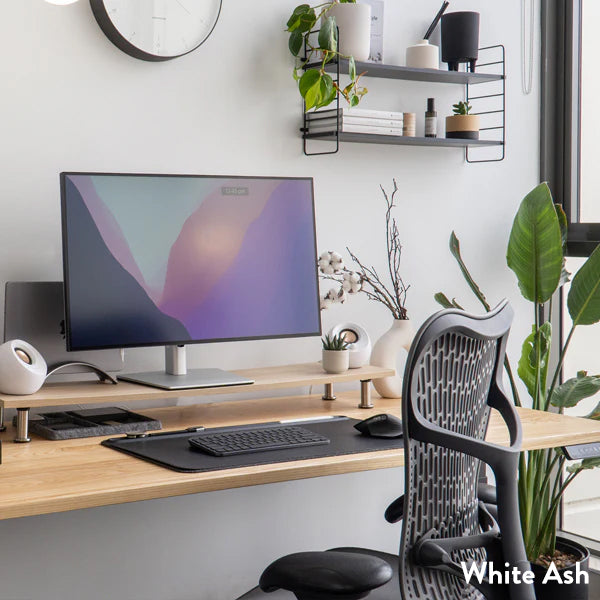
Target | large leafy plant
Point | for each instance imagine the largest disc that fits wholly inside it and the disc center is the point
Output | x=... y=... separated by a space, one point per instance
x=536 y=255
x=315 y=85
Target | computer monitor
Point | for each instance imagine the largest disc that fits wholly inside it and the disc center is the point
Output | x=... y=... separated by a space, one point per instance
x=170 y=260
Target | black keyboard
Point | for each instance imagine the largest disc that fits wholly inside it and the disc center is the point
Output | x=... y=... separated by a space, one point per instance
x=246 y=441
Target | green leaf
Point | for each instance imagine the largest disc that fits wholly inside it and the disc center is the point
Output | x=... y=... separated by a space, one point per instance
x=352 y=68
x=575 y=389
x=455 y=250
x=327 y=92
x=294 y=20
x=310 y=86
x=328 y=34
x=442 y=300
x=307 y=21
x=565 y=276
x=535 y=246
x=586 y=463
x=296 y=42
x=354 y=100
x=584 y=296
x=536 y=344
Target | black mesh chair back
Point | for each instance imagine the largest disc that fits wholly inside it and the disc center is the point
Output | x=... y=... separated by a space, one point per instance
x=452 y=379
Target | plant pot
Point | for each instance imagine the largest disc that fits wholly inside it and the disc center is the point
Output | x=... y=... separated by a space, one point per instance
x=354 y=24
x=462 y=127
x=460 y=39
x=423 y=56
x=386 y=353
x=553 y=590
x=336 y=361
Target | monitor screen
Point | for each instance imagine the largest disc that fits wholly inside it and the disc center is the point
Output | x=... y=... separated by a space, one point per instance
x=177 y=259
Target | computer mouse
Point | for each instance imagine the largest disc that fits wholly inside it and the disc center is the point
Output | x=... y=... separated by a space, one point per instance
x=381 y=426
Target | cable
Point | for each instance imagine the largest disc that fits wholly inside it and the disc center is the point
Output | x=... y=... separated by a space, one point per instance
x=527 y=52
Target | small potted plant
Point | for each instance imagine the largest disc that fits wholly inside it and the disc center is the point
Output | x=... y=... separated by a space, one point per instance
x=462 y=125
x=314 y=43
x=336 y=357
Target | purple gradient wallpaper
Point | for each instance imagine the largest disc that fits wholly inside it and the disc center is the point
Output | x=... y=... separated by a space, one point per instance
x=152 y=260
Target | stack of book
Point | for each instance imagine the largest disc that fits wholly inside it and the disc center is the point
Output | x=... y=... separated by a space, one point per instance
x=355 y=120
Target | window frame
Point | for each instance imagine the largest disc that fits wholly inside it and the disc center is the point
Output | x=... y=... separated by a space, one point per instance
x=560 y=150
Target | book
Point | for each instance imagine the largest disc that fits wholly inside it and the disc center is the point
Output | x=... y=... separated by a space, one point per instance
x=357 y=113
x=352 y=128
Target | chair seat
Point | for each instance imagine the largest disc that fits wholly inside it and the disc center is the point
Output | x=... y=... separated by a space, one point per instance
x=386 y=575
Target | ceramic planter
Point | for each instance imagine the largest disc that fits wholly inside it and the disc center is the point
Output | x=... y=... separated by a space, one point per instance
x=552 y=590
x=336 y=361
x=460 y=39
x=354 y=24
x=386 y=353
x=462 y=127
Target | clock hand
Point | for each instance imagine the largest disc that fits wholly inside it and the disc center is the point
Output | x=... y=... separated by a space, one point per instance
x=184 y=8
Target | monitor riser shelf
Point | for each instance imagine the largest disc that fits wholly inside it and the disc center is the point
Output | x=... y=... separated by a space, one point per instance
x=266 y=378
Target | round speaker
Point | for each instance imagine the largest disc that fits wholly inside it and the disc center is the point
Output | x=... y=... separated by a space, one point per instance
x=358 y=341
x=22 y=368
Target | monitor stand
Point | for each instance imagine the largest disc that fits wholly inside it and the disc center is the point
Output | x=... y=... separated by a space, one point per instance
x=177 y=377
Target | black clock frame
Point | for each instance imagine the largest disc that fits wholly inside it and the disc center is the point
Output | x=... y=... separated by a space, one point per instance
x=121 y=42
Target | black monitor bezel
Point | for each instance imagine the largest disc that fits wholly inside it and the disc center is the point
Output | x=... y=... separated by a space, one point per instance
x=66 y=280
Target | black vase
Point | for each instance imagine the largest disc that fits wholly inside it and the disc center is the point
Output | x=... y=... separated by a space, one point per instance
x=552 y=590
x=460 y=39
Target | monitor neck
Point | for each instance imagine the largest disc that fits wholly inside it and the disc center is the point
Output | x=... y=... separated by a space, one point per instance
x=175 y=361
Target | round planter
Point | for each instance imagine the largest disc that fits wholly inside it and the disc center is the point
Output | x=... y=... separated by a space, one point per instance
x=553 y=590
x=354 y=24
x=462 y=127
x=336 y=361
x=460 y=39
x=423 y=56
x=386 y=353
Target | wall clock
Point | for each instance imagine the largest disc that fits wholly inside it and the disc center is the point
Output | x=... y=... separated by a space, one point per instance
x=157 y=30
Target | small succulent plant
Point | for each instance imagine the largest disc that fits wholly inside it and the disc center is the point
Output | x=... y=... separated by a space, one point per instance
x=335 y=342
x=461 y=108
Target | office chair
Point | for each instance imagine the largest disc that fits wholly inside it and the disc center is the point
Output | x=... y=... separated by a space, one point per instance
x=452 y=379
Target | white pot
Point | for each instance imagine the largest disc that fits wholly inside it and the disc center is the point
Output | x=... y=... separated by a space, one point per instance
x=423 y=56
x=336 y=361
x=354 y=23
x=386 y=353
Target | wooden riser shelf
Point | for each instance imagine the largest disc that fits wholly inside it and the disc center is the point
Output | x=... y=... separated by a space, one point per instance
x=266 y=378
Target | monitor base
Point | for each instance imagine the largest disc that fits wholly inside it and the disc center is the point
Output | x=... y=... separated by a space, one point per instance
x=194 y=378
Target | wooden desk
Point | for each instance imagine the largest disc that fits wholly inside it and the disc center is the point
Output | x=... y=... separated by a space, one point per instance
x=49 y=476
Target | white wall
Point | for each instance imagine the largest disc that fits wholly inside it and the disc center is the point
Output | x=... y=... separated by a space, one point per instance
x=72 y=101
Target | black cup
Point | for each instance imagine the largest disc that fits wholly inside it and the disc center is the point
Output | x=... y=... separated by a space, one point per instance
x=460 y=39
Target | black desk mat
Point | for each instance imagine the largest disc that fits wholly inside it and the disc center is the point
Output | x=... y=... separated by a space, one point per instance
x=172 y=450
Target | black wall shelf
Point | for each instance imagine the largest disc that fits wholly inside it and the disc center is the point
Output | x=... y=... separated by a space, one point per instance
x=491 y=101
x=399 y=140
x=410 y=74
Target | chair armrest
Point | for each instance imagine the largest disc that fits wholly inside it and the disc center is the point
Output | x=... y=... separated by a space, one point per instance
x=487 y=493
x=343 y=575
x=395 y=511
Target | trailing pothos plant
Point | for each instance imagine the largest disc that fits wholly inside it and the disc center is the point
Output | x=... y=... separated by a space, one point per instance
x=315 y=85
x=536 y=254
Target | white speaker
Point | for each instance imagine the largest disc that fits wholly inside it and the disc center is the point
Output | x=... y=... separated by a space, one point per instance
x=358 y=340
x=22 y=368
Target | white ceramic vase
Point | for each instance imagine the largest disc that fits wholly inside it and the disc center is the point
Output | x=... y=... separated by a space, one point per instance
x=385 y=354
x=336 y=361
x=354 y=22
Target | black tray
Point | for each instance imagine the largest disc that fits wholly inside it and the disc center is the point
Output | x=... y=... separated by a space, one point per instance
x=89 y=422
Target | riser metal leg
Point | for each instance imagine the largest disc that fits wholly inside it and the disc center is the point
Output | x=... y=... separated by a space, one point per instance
x=328 y=392
x=2 y=425
x=365 y=394
x=22 y=426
